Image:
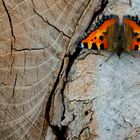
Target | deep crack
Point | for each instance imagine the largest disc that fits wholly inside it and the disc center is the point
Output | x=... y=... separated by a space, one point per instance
x=15 y=82
x=99 y=11
x=10 y=19
x=50 y=23
x=28 y=49
x=61 y=132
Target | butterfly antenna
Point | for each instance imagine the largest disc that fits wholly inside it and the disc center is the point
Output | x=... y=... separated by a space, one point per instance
x=107 y=59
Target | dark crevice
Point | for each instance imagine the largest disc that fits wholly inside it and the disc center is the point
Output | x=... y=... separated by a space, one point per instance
x=11 y=46
x=61 y=132
x=10 y=19
x=33 y=3
x=15 y=82
x=84 y=130
x=48 y=106
x=98 y=12
x=82 y=14
x=50 y=24
x=73 y=57
x=27 y=49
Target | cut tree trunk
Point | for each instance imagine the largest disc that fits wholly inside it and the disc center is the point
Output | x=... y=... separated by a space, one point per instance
x=49 y=89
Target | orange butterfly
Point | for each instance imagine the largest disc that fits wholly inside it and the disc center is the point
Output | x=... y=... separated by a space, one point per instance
x=113 y=35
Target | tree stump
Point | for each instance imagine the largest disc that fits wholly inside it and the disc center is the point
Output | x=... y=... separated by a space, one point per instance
x=47 y=90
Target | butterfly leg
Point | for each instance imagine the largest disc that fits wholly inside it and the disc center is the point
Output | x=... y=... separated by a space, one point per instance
x=107 y=59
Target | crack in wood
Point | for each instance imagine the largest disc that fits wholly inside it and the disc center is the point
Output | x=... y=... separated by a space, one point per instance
x=77 y=24
x=28 y=49
x=72 y=57
x=87 y=100
x=11 y=46
x=33 y=3
x=61 y=132
x=83 y=131
x=15 y=85
x=46 y=21
x=96 y=13
x=10 y=19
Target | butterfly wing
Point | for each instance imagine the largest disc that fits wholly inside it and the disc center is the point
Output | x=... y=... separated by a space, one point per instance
x=132 y=33
x=103 y=35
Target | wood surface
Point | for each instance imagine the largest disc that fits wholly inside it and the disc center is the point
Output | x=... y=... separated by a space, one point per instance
x=49 y=90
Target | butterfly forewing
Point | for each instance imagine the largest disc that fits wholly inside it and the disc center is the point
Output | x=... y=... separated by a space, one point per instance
x=101 y=37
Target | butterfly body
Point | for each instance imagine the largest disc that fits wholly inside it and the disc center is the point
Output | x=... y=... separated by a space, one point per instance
x=119 y=40
x=115 y=36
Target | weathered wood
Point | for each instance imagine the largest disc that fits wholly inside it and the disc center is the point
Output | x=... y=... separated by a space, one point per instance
x=34 y=37
x=103 y=102
x=46 y=92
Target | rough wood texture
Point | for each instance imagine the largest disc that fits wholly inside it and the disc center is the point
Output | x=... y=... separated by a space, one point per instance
x=102 y=103
x=46 y=92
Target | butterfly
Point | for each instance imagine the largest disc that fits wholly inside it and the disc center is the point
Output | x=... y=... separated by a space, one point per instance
x=114 y=34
